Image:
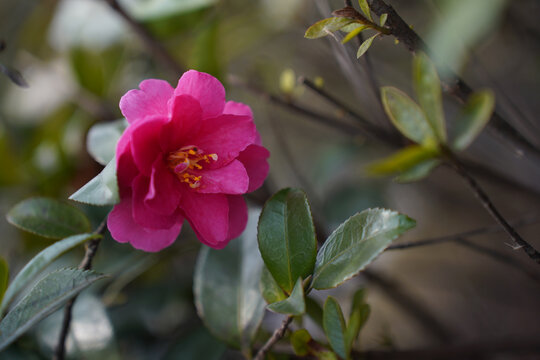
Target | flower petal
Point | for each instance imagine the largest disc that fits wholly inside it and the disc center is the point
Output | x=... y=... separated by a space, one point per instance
x=236 y=108
x=206 y=89
x=151 y=99
x=185 y=121
x=145 y=144
x=162 y=196
x=123 y=229
x=208 y=215
x=230 y=179
x=144 y=215
x=254 y=160
x=226 y=136
x=238 y=217
x=126 y=170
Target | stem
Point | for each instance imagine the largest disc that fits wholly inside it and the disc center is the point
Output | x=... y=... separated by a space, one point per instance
x=276 y=336
x=86 y=264
x=492 y=210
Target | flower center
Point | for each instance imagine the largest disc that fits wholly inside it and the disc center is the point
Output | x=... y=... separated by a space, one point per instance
x=186 y=159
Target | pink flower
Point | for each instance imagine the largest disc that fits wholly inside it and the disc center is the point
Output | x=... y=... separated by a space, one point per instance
x=187 y=154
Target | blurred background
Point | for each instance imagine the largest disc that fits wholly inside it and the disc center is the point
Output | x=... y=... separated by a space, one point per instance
x=79 y=57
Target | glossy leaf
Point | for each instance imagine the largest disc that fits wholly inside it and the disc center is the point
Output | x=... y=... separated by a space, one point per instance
x=334 y=327
x=226 y=288
x=48 y=217
x=4 y=279
x=286 y=237
x=294 y=304
x=102 y=138
x=270 y=290
x=365 y=8
x=101 y=190
x=365 y=45
x=428 y=91
x=351 y=35
x=44 y=298
x=326 y=26
x=382 y=19
x=359 y=315
x=39 y=262
x=355 y=244
x=474 y=116
x=407 y=116
x=403 y=160
x=418 y=172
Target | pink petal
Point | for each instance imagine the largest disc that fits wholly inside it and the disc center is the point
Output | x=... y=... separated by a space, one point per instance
x=254 y=160
x=236 y=108
x=126 y=170
x=206 y=89
x=162 y=196
x=226 y=136
x=230 y=179
x=238 y=216
x=208 y=215
x=150 y=100
x=123 y=229
x=145 y=144
x=144 y=215
x=186 y=114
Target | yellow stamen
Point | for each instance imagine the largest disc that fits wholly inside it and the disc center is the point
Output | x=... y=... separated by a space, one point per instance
x=187 y=158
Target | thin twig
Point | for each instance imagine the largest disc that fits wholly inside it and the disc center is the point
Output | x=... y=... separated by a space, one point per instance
x=276 y=336
x=155 y=47
x=86 y=264
x=456 y=86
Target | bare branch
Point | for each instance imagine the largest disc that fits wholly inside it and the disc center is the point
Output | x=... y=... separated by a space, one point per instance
x=276 y=336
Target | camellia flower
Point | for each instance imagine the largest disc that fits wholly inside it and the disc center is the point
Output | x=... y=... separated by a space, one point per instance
x=186 y=154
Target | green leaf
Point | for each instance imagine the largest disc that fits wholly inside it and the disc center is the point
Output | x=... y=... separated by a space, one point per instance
x=102 y=139
x=314 y=311
x=48 y=217
x=101 y=190
x=351 y=35
x=154 y=10
x=474 y=116
x=403 y=160
x=89 y=70
x=334 y=327
x=407 y=116
x=355 y=244
x=300 y=342
x=418 y=172
x=39 y=263
x=359 y=315
x=365 y=45
x=286 y=237
x=365 y=9
x=382 y=19
x=428 y=91
x=4 y=278
x=326 y=26
x=271 y=292
x=44 y=298
x=226 y=288
x=294 y=304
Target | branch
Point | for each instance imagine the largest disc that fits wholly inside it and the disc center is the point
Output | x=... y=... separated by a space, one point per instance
x=155 y=47
x=276 y=336
x=456 y=86
x=86 y=264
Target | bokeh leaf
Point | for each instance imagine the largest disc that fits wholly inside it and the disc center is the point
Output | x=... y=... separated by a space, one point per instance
x=4 y=278
x=428 y=91
x=102 y=138
x=44 y=298
x=226 y=287
x=286 y=237
x=418 y=172
x=407 y=116
x=101 y=190
x=359 y=315
x=49 y=218
x=326 y=26
x=294 y=304
x=355 y=244
x=402 y=160
x=365 y=45
x=382 y=19
x=334 y=327
x=300 y=342
x=39 y=262
x=474 y=116
x=314 y=311
x=270 y=290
